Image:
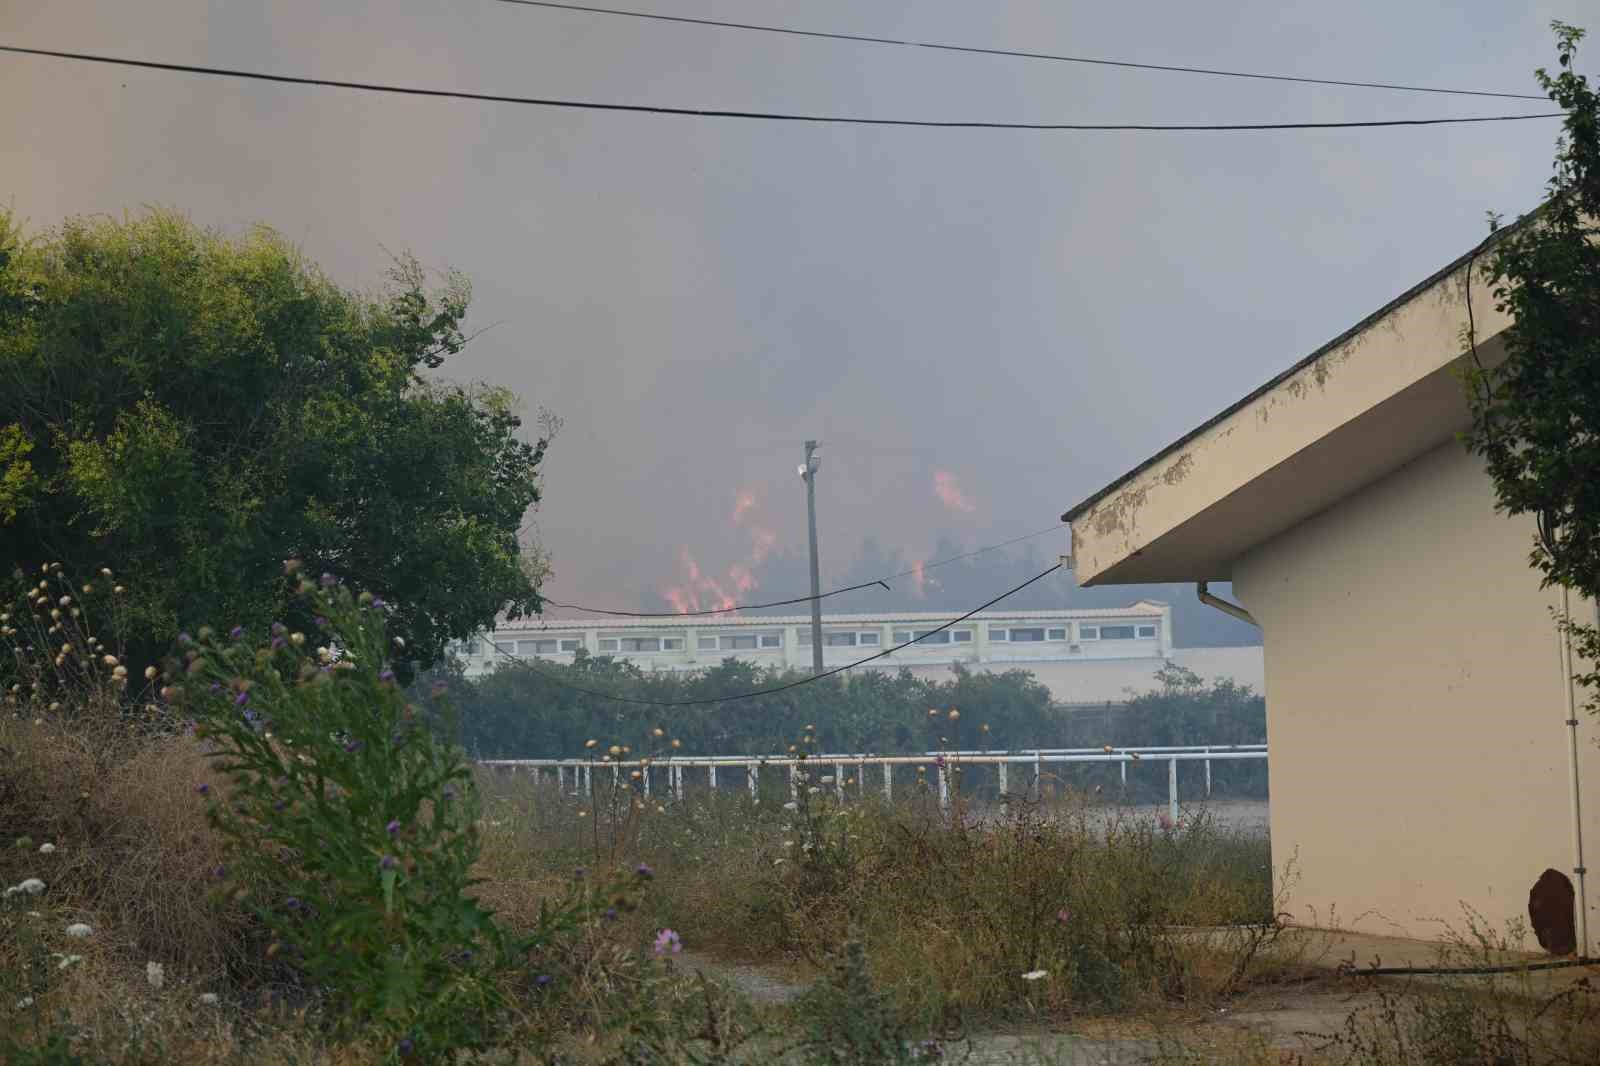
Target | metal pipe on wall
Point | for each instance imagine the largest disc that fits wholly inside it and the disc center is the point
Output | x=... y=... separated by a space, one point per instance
x=1578 y=868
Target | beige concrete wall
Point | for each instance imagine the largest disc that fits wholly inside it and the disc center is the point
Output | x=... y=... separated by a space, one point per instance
x=1415 y=706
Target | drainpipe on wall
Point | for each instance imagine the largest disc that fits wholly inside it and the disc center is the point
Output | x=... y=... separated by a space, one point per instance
x=1224 y=606
x=1564 y=649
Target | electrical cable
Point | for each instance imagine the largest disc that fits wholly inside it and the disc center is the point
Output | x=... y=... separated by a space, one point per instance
x=707 y=700
x=806 y=599
x=1016 y=54
x=771 y=116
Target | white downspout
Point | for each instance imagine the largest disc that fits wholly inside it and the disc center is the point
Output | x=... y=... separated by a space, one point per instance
x=1564 y=649
x=1224 y=606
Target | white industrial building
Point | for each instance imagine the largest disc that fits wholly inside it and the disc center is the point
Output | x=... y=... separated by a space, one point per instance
x=1084 y=656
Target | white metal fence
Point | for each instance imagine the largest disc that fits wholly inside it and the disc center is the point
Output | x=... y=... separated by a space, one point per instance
x=578 y=775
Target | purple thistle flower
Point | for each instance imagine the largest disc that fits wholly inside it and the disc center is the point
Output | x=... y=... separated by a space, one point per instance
x=611 y=914
x=939 y=761
x=351 y=747
x=580 y=873
x=645 y=871
x=292 y=903
x=322 y=623
x=328 y=581
x=185 y=639
x=220 y=872
x=241 y=699
x=1063 y=916
x=449 y=793
x=236 y=632
x=386 y=675
x=406 y=1046
x=393 y=827
x=279 y=629
x=377 y=601
x=216 y=686
x=667 y=943
x=543 y=979
x=202 y=788
x=278 y=643
x=389 y=862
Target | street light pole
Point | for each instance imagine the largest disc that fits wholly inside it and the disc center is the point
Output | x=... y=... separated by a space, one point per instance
x=808 y=472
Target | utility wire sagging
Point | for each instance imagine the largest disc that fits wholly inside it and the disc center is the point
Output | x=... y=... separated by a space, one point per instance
x=1018 y=54
x=776 y=688
x=769 y=116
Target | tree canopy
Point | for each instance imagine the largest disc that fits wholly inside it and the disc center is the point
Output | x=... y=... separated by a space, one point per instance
x=1536 y=416
x=191 y=409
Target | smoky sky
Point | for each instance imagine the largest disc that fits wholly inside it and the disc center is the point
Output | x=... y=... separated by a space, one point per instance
x=982 y=327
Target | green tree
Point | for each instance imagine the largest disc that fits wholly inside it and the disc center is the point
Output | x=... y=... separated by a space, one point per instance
x=1536 y=416
x=190 y=410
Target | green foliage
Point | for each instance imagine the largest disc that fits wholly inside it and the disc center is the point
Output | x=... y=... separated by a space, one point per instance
x=850 y=1022
x=190 y=409
x=360 y=823
x=523 y=711
x=1536 y=416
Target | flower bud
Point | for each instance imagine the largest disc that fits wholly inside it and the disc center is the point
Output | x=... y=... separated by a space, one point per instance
x=150 y=673
x=110 y=660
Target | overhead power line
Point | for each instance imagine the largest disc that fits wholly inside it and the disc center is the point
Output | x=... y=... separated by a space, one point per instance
x=706 y=700
x=1018 y=54
x=769 y=116
x=883 y=581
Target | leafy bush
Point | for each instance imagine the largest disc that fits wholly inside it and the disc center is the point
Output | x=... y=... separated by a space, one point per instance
x=355 y=825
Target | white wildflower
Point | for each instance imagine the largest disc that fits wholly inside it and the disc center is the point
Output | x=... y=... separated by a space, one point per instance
x=1034 y=975
x=32 y=886
x=79 y=931
x=791 y=806
x=25 y=1002
x=209 y=998
x=828 y=780
x=155 y=973
x=813 y=790
x=68 y=961
x=14 y=890
x=46 y=848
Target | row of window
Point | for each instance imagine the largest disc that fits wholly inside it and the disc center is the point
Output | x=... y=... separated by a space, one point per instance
x=830 y=638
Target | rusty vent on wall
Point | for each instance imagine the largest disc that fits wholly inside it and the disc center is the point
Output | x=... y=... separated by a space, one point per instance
x=1550 y=911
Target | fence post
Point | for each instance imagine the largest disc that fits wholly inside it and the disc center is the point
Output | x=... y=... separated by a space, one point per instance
x=888 y=782
x=1124 y=769
x=1208 y=774
x=794 y=785
x=752 y=773
x=1002 y=769
x=944 y=788
x=861 y=778
x=1038 y=776
x=712 y=771
x=1172 y=790
x=677 y=772
x=838 y=779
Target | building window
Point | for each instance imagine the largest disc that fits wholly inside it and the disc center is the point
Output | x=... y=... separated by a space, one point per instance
x=641 y=643
x=671 y=643
x=869 y=638
x=1147 y=631
x=608 y=643
x=839 y=640
x=505 y=647
x=961 y=636
x=1027 y=635
x=1058 y=634
x=708 y=643
x=572 y=644
x=772 y=640
x=997 y=633
x=1116 y=632
x=737 y=641
x=803 y=638
x=1088 y=632
x=536 y=647
x=472 y=647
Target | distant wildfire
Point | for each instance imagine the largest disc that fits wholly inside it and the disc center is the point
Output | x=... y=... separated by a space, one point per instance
x=950 y=494
x=700 y=591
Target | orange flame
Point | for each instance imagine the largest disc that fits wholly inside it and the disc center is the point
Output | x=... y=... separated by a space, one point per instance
x=950 y=494
x=919 y=580
x=699 y=591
